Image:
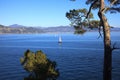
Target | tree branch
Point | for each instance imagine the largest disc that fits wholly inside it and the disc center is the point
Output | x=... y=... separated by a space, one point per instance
x=114 y=47
x=100 y=34
x=91 y=7
x=106 y=8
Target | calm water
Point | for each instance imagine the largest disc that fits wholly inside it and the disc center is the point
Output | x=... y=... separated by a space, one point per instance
x=79 y=57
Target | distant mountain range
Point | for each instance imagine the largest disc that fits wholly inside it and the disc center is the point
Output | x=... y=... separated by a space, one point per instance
x=16 y=25
x=20 y=29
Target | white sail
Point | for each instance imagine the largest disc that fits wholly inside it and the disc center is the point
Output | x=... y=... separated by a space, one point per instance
x=60 y=40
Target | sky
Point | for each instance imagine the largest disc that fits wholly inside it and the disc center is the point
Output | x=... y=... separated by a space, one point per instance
x=44 y=13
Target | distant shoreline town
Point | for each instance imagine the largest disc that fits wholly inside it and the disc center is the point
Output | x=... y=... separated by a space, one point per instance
x=20 y=29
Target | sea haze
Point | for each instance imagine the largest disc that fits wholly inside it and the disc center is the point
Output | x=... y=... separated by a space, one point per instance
x=79 y=57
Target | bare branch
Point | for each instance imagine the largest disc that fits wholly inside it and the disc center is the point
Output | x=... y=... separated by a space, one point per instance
x=113 y=3
x=99 y=30
x=91 y=7
x=114 y=47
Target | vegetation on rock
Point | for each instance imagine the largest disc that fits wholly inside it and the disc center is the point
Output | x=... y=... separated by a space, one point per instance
x=39 y=66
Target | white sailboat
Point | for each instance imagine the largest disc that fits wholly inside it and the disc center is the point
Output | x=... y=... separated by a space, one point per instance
x=60 y=39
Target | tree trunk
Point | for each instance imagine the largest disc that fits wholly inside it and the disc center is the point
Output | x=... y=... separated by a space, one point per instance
x=107 y=69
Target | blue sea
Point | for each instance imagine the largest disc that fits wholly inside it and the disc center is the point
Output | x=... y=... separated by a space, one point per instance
x=78 y=57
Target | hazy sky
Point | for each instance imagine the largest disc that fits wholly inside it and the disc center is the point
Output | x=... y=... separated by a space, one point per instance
x=43 y=13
